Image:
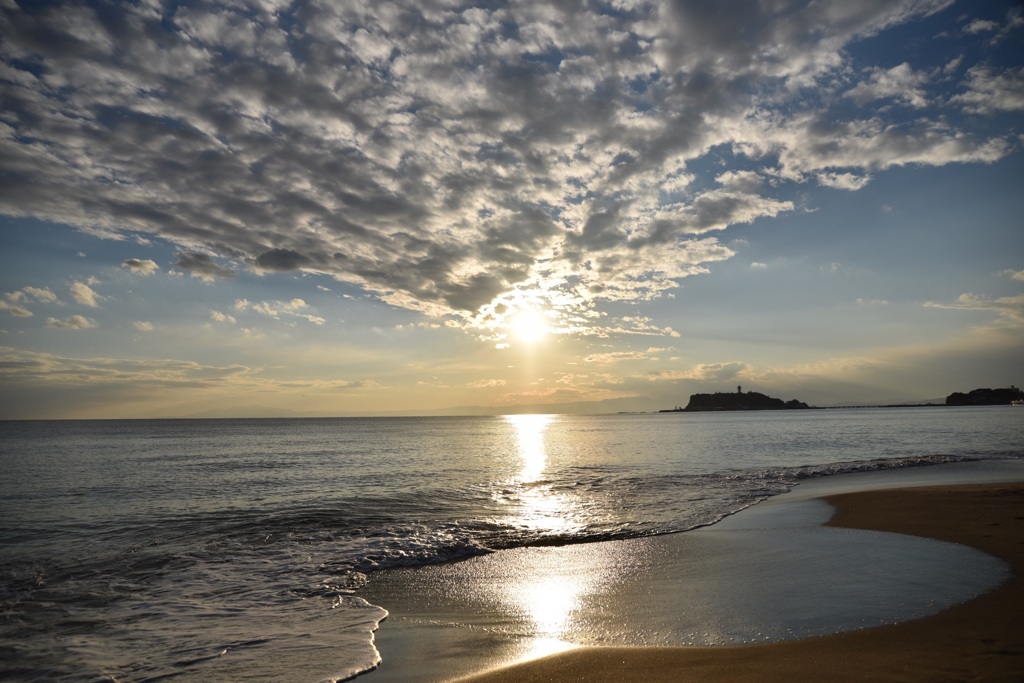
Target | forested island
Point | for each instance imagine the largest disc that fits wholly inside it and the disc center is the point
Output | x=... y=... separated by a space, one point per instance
x=985 y=397
x=740 y=400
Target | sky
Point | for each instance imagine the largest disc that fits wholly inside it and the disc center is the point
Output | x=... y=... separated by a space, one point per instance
x=264 y=207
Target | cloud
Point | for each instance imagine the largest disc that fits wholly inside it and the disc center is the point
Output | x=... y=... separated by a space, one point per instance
x=634 y=325
x=104 y=386
x=222 y=317
x=141 y=266
x=274 y=309
x=36 y=368
x=40 y=294
x=981 y=26
x=143 y=326
x=12 y=301
x=707 y=372
x=1014 y=20
x=486 y=384
x=843 y=181
x=1009 y=309
x=900 y=83
x=42 y=368
x=85 y=295
x=448 y=158
x=616 y=357
x=712 y=211
x=1014 y=274
x=813 y=143
x=989 y=91
x=266 y=309
x=281 y=260
x=15 y=309
x=74 y=322
x=202 y=266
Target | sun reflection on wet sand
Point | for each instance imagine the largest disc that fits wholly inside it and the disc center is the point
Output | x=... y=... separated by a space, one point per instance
x=549 y=602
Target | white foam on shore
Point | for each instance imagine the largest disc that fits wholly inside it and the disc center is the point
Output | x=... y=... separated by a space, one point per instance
x=771 y=572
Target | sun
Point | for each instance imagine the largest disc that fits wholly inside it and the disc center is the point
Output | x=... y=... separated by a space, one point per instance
x=529 y=326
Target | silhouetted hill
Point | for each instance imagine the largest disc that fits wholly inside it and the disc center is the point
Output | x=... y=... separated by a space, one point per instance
x=986 y=397
x=750 y=400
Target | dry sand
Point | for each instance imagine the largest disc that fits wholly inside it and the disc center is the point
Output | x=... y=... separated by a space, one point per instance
x=981 y=640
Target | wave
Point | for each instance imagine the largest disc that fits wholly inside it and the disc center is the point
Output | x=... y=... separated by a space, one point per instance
x=327 y=548
x=660 y=505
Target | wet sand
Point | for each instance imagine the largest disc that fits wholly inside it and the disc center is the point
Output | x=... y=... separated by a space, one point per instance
x=980 y=640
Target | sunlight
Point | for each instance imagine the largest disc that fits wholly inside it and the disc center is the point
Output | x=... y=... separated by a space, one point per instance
x=538 y=508
x=530 y=438
x=560 y=591
x=550 y=602
x=529 y=326
x=546 y=512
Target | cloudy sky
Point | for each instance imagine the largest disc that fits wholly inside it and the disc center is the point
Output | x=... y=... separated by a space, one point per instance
x=328 y=208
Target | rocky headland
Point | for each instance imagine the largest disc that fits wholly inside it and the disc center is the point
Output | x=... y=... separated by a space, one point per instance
x=750 y=400
x=986 y=397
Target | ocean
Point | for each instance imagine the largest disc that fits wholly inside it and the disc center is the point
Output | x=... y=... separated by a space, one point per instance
x=211 y=550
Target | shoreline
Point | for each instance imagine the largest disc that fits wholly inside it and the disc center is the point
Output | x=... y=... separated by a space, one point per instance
x=981 y=639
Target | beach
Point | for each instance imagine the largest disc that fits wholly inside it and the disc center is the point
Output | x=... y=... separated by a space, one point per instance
x=982 y=639
x=819 y=574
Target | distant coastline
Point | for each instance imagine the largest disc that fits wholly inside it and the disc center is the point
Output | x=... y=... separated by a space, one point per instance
x=886 y=405
x=752 y=400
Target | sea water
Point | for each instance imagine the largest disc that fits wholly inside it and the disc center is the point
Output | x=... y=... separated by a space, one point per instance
x=235 y=549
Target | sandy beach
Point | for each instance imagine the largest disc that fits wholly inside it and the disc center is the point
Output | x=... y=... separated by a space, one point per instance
x=980 y=640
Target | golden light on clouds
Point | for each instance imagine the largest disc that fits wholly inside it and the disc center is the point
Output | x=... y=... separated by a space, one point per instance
x=571 y=199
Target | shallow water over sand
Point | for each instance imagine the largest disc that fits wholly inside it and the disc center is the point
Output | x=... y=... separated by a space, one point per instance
x=762 y=575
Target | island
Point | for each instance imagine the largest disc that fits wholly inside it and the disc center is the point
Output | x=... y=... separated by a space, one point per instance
x=986 y=397
x=750 y=400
